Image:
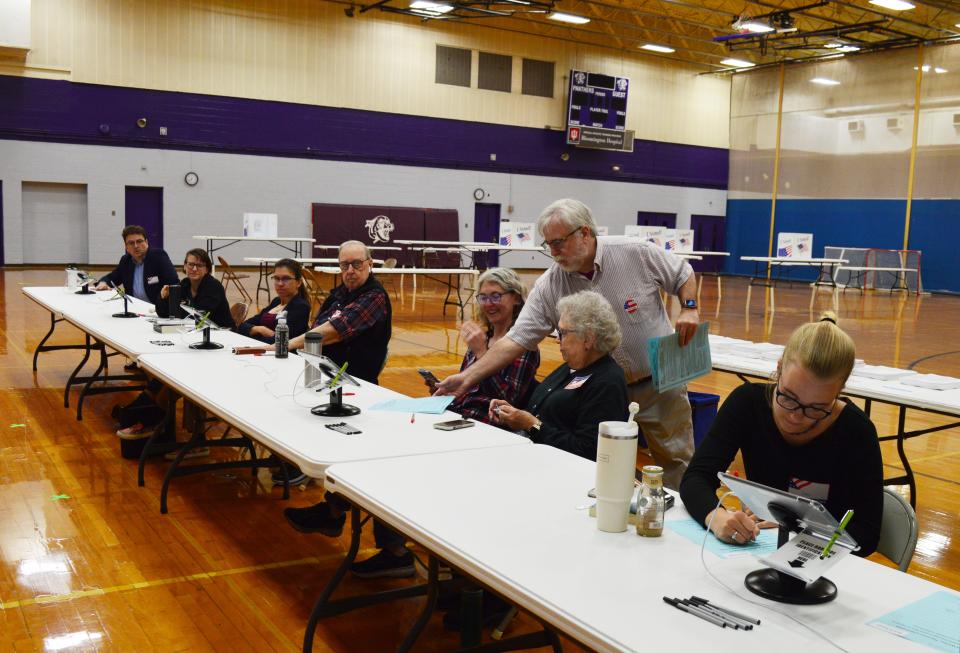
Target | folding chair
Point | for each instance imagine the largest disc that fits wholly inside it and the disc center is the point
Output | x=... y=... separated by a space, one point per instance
x=230 y=276
x=898 y=530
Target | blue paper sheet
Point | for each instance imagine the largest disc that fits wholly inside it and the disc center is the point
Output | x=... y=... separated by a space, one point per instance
x=765 y=543
x=933 y=621
x=428 y=405
x=672 y=365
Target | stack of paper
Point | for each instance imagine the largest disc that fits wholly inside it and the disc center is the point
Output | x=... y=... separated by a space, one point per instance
x=672 y=365
x=881 y=372
x=429 y=405
x=932 y=381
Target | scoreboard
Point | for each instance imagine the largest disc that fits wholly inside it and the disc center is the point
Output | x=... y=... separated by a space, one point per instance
x=597 y=110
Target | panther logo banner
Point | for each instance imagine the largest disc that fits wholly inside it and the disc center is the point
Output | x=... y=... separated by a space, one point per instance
x=379 y=229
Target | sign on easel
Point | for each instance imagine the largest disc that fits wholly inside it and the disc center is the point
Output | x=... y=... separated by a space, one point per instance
x=516 y=234
x=678 y=240
x=794 y=245
x=655 y=235
x=260 y=225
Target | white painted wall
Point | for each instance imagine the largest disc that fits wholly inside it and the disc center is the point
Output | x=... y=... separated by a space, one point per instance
x=232 y=184
x=15 y=23
x=54 y=223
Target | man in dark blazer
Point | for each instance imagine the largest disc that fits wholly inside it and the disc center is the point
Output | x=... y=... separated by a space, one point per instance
x=143 y=270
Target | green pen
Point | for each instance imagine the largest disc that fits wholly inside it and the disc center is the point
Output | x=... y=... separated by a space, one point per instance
x=333 y=382
x=837 y=533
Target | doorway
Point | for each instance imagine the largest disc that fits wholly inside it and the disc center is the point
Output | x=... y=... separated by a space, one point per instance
x=656 y=219
x=709 y=235
x=486 y=229
x=55 y=228
x=143 y=206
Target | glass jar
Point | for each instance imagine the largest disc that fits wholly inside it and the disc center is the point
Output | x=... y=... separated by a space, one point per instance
x=650 y=506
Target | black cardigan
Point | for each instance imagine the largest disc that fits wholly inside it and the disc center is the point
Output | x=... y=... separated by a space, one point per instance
x=846 y=457
x=570 y=416
x=298 y=313
x=210 y=297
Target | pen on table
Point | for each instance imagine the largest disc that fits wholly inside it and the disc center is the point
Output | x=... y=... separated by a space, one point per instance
x=507 y=618
x=412 y=417
x=349 y=394
x=727 y=620
x=737 y=621
x=732 y=613
x=837 y=533
x=714 y=620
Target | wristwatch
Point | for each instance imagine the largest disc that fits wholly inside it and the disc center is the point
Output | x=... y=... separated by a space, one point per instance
x=689 y=303
x=535 y=429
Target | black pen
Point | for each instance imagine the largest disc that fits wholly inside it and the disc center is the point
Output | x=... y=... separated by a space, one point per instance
x=737 y=621
x=696 y=613
x=729 y=621
x=733 y=613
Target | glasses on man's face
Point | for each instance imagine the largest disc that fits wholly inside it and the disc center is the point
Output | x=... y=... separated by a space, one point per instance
x=195 y=266
x=492 y=298
x=557 y=243
x=355 y=264
x=810 y=412
x=282 y=280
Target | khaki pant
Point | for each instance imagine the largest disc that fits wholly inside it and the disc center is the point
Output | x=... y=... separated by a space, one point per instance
x=666 y=423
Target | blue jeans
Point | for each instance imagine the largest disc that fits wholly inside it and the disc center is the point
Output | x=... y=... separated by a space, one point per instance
x=384 y=536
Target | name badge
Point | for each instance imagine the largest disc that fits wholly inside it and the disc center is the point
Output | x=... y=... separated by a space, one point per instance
x=576 y=382
x=153 y=279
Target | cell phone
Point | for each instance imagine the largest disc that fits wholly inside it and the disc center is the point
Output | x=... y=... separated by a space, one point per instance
x=428 y=376
x=454 y=424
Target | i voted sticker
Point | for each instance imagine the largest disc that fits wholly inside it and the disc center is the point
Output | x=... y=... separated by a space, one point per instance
x=576 y=382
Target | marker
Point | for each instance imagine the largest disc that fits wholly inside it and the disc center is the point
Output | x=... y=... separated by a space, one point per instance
x=732 y=613
x=412 y=417
x=349 y=394
x=742 y=623
x=728 y=621
x=706 y=617
x=837 y=533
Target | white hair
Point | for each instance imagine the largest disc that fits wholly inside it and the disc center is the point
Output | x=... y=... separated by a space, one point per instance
x=588 y=312
x=353 y=243
x=573 y=213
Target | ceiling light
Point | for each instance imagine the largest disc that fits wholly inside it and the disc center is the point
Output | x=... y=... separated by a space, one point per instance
x=756 y=27
x=833 y=45
x=432 y=7
x=939 y=70
x=926 y=68
x=896 y=5
x=568 y=18
x=653 y=47
x=738 y=63
x=849 y=48
x=824 y=81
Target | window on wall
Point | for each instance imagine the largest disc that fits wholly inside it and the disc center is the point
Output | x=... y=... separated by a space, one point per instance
x=537 y=78
x=494 y=72
x=453 y=66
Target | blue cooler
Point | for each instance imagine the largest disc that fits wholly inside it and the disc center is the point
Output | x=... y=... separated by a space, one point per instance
x=704 y=408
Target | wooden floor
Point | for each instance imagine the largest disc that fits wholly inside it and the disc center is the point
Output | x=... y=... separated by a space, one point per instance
x=88 y=563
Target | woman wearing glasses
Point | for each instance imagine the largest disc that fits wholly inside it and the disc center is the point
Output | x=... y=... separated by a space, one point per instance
x=500 y=298
x=587 y=389
x=199 y=290
x=796 y=435
x=291 y=298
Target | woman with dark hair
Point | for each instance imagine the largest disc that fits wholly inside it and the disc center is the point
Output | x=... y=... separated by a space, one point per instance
x=291 y=299
x=199 y=290
x=500 y=298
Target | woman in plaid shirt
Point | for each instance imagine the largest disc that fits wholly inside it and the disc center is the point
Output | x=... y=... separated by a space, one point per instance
x=500 y=296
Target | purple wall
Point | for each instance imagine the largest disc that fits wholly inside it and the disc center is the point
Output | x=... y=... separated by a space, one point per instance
x=60 y=111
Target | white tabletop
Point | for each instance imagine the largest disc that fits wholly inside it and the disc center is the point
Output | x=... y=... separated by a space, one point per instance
x=707 y=253
x=252 y=393
x=786 y=260
x=306 y=261
x=258 y=238
x=385 y=248
x=329 y=270
x=510 y=518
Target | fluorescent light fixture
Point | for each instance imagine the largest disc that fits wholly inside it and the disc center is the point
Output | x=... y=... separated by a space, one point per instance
x=896 y=5
x=653 y=47
x=756 y=27
x=433 y=7
x=939 y=70
x=824 y=81
x=926 y=68
x=738 y=63
x=568 y=18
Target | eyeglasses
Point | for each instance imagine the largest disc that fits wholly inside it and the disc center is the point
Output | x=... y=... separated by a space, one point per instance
x=492 y=298
x=356 y=265
x=137 y=242
x=810 y=412
x=282 y=280
x=563 y=333
x=195 y=266
x=557 y=243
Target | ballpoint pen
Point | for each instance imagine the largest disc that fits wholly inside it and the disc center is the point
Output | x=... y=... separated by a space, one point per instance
x=837 y=533
x=716 y=621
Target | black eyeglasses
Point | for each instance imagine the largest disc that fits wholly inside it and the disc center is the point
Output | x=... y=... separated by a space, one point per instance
x=810 y=412
x=563 y=333
x=492 y=298
x=557 y=243
x=356 y=264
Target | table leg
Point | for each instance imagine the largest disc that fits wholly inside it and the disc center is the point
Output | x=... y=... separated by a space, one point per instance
x=41 y=347
x=76 y=371
x=433 y=589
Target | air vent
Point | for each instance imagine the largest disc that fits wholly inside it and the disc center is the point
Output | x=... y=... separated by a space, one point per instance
x=894 y=124
x=855 y=126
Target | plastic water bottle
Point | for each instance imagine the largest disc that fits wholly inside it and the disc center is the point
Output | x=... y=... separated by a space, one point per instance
x=650 y=506
x=313 y=345
x=281 y=342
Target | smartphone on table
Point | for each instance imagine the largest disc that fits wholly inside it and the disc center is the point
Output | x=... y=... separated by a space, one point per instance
x=454 y=424
x=428 y=376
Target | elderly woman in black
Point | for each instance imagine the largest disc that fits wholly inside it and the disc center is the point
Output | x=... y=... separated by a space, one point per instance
x=587 y=389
